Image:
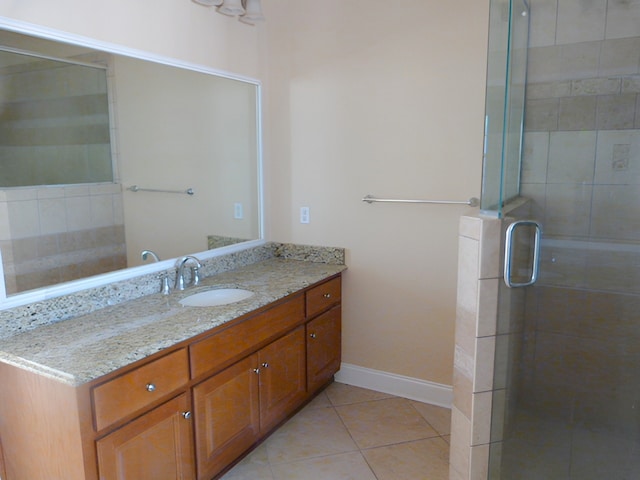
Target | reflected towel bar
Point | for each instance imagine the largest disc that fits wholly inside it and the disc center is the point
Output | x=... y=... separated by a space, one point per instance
x=136 y=188
x=472 y=202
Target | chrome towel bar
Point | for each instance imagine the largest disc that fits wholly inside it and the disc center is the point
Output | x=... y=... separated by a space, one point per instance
x=473 y=201
x=136 y=188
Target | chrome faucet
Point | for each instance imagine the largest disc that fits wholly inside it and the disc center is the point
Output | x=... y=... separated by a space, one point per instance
x=164 y=278
x=145 y=253
x=195 y=271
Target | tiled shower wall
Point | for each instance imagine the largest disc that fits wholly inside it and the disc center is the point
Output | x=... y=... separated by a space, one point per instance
x=582 y=123
x=50 y=235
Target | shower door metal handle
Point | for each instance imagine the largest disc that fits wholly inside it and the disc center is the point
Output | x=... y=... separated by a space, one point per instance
x=508 y=253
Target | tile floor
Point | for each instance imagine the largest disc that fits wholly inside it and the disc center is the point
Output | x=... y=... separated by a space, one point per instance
x=350 y=433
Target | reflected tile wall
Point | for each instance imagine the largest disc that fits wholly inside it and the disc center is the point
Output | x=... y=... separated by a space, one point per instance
x=59 y=234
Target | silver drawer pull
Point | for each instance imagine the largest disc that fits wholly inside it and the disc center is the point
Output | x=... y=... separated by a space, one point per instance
x=186 y=415
x=265 y=365
x=327 y=295
x=150 y=387
x=312 y=335
x=256 y=371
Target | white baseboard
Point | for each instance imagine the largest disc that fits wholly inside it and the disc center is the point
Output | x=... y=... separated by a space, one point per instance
x=399 y=385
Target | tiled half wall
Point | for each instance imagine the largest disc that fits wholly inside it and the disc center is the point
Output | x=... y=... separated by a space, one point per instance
x=55 y=234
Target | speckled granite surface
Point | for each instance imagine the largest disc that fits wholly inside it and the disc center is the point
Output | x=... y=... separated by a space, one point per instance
x=83 y=348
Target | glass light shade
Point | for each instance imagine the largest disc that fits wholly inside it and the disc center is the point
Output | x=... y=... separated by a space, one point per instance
x=231 y=8
x=253 y=12
x=209 y=3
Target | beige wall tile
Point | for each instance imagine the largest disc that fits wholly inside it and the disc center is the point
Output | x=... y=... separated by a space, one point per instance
x=468 y=265
x=615 y=112
x=623 y=19
x=487 y=307
x=611 y=213
x=479 y=466
x=580 y=22
x=542 y=30
x=618 y=157
x=470 y=227
x=462 y=394
x=568 y=209
x=541 y=115
x=484 y=364
x=481 y=421
x=459 y=457
x=577 y=113
x=571 y=157
x=548 y=90
x=490 y=259
x=619 y=57
x=534 y=157
x=24 y=218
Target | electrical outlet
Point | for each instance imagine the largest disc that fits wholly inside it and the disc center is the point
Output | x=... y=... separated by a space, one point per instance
x=304 y=214
x=237 y=211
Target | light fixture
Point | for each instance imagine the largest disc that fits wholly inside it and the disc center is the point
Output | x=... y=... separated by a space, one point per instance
x=247 y=11
x=253 y=12
x=233 y=8
x=209 y=3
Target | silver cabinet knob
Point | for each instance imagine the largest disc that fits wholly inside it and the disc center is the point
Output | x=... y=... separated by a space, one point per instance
x=327 y=295
x=186 y=415
x=256 y=371
x=312 y=335
x=265 y=365
x=151 y=387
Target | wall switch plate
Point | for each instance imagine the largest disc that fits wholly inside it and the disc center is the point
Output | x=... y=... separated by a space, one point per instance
x=237 y=211
x=304 y=214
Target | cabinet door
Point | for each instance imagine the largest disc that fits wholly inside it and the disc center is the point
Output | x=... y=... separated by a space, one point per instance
x=227 y=416
x=323 y=348
x=156 y=446
x=282 y=378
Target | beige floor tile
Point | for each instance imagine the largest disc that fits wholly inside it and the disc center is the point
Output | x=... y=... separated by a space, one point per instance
x=419 y=460
x=321 y=401
x=438 y=417
x=343 y=394
x=312 y=432
x=254 y=466
x=346 y=466
x=384 y=422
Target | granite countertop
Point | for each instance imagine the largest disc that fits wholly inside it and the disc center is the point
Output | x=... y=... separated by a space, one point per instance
x=81 y=349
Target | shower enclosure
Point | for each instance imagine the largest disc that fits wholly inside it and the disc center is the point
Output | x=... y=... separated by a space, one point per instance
x=564 y=151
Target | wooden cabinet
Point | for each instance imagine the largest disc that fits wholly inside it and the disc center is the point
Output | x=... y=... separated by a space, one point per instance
x=137 y=389
x=155 y=446
x=238 y=405
x=323 y=348
x=185 y=414
x=282 y=378
x=226 y=408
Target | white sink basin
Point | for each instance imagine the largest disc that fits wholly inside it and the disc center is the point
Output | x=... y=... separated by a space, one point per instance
x=218 y=296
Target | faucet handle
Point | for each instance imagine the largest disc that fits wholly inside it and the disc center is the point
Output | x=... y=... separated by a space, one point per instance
x=195 y=276
x=165 y=289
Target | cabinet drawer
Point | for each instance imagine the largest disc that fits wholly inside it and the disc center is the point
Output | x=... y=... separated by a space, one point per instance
x=134 y=390
x=323 y=296
x=224 y=347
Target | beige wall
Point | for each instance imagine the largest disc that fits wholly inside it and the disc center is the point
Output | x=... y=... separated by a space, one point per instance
x=372 y=97
x=361 y=97
x=175 y=28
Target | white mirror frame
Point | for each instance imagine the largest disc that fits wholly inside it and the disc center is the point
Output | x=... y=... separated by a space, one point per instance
x=53 y=291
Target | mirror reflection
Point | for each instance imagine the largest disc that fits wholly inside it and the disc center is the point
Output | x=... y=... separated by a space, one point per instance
x=97 y=152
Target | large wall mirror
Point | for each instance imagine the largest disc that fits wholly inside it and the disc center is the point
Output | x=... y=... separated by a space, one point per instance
x=105 y=154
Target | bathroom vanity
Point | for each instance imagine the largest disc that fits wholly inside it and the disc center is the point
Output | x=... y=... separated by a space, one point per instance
x=151 y=389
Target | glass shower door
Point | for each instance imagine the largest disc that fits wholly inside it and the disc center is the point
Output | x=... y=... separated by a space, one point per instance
x=567 y=368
